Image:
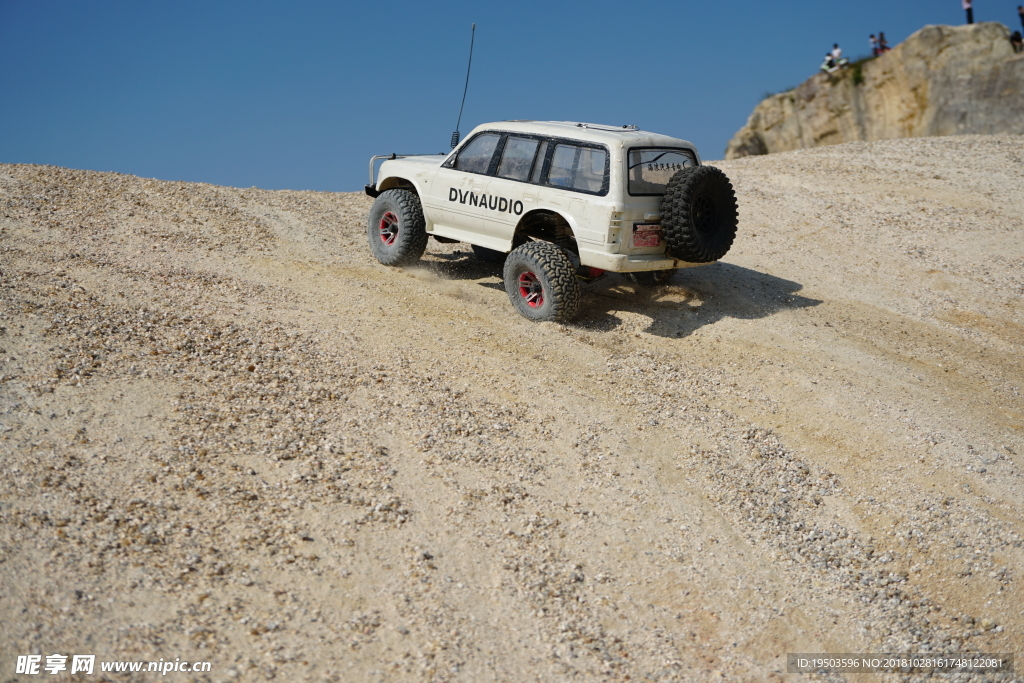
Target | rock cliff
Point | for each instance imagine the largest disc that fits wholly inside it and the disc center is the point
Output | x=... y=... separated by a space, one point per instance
x=943 y=80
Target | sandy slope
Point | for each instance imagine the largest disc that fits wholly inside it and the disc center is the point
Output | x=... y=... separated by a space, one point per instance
x=229 y=435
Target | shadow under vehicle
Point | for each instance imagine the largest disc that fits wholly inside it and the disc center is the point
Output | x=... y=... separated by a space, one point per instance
x=688 y=300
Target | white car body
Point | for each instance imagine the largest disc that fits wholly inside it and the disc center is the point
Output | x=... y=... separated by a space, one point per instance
x=614 y=228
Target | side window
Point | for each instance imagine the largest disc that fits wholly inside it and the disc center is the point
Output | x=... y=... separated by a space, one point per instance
x=562 y=161
x=577 y=168
x=476 y=157
x=517 y=159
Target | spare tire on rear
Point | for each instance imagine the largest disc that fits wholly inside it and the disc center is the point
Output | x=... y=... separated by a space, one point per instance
x=698 y=214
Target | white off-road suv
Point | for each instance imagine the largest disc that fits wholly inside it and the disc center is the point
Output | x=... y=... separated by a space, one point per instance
x=556 y=202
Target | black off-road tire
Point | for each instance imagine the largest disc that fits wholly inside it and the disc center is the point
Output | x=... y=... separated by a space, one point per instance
x=541 y=283
x=488 y=255
x=652 y=278
x=396 y=229
x=699 y=214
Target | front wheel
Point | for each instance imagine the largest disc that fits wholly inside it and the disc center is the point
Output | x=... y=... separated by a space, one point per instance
x=396 y=228
x=541 y=283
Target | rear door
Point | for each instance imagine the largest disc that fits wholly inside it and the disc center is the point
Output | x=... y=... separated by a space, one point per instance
x=577 y=176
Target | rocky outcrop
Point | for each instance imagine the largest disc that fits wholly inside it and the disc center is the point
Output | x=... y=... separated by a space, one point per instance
x=943 y=80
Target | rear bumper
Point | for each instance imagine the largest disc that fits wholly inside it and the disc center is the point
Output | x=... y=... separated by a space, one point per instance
x=622 y=263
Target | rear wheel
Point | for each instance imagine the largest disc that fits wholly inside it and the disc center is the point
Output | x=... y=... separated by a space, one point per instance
x=541 y=283
x=396 y=229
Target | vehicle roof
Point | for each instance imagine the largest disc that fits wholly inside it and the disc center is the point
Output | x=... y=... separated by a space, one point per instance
x=591 y=132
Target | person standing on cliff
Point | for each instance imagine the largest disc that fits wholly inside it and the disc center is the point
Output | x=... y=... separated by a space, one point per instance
x=874 y=45
x=968 y=7
x=883 y=44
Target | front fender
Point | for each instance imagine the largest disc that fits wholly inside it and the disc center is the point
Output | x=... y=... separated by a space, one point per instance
x=393 y=182
x=413 y=172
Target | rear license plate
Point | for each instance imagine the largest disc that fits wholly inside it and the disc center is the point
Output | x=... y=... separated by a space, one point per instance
x=646 y=235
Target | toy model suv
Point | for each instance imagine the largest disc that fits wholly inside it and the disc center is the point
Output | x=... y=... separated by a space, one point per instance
x=556 y=202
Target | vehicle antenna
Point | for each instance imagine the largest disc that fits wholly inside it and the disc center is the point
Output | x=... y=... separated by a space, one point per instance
x=455 y=135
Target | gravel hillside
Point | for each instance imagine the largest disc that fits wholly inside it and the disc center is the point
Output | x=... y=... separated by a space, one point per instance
x=230 y=435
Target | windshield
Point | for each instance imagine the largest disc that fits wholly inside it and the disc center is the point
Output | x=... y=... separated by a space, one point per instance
x=651 y=168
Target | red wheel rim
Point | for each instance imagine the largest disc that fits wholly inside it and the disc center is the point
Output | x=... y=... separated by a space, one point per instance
x=531 y=289
x=388 y=228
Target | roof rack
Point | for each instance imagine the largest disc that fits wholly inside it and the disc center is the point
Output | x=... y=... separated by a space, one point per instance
x=628 y=126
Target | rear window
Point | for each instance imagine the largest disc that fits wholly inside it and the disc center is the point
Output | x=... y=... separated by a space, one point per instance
x=651 y=168
x=578 y=168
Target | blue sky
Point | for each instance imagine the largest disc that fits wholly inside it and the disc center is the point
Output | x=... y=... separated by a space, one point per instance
x=299 y=95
